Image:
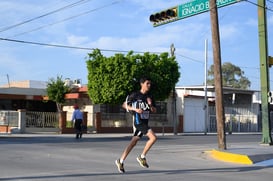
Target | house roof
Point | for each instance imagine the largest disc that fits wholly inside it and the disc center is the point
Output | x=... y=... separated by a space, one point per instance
x=22 y=91
x=226 y=90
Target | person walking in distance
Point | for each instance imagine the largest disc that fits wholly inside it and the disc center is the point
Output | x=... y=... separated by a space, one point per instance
x=77 y=118
x=140 y=104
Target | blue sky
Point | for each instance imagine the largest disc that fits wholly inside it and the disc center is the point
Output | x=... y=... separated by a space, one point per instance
x=123 y=25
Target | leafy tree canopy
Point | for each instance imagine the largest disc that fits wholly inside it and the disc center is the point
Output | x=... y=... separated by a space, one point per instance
x=232 y=76
x=111 y=79
x=56 y=90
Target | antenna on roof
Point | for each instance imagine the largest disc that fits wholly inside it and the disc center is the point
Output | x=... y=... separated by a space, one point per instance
x=8 y=80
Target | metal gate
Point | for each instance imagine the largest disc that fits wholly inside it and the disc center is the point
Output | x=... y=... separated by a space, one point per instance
x=42 y=121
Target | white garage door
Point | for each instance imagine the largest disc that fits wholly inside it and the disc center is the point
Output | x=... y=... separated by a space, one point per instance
x=194 y=115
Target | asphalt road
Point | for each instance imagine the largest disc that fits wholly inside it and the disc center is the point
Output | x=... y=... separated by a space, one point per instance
x=43 y=157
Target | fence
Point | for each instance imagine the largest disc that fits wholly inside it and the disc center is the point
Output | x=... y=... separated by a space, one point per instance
x=9 y=118
x=125 y=119
x=237 y=119
x=21 y=121
x=42 y=119
x=114 y=120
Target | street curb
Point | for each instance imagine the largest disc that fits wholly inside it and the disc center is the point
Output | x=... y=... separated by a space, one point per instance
x=230 y=157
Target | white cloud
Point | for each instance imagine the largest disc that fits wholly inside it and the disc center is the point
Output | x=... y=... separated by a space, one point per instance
x=228 y=31
x=252 y=22
x=154 y=40
x=14 y=67
x=74 y=40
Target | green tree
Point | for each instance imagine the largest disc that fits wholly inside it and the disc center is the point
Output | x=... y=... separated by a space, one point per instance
x=232 y=76
x=56 y=90
x=111 y=79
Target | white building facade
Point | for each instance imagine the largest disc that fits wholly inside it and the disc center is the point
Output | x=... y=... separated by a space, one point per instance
x=197 y=106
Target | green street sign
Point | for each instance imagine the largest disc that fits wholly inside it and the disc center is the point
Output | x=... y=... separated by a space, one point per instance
x=185 y=10
x=199 y=6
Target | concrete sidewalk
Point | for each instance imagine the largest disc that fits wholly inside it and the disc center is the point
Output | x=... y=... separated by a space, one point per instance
x=249 y=153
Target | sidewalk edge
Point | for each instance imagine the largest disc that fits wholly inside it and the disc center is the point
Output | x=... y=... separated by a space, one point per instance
x=230 y=157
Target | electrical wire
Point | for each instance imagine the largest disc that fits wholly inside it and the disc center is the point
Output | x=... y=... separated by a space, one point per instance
x=70 y=47
x=267 y=8
x=66 y=19
x=43 y=15
x=85 y=48
x=192 y=59
x=270 y=2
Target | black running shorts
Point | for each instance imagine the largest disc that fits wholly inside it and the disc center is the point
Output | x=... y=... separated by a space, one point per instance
x=141 y=129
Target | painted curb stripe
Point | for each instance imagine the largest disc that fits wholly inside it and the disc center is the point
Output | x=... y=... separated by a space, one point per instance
x=230 y=157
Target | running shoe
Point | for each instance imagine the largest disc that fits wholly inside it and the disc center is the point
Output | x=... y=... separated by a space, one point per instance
x=120 y=166
x=142 y=162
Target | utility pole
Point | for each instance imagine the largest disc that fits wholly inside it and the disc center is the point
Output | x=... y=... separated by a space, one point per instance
x=266 y=127
x=220 y=115
x=172 y=50
x=206 y=88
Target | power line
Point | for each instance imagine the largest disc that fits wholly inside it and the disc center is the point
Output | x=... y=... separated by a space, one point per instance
x=41 y=16
x=195 y=60
x=69 y=47
x=269 y=9
x=270 y=2
x=249 y=67
x=86 y=48
x=66 y=19
x=103 y=50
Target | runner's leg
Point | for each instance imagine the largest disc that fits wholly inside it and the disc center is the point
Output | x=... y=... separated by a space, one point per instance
x=152 y=139
x=131 y=145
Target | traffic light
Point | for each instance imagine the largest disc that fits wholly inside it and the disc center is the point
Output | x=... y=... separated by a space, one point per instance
x=270 y=61
x=163 y=17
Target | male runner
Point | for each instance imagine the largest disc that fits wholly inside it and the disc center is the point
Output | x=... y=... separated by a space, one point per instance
x=140 y=104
